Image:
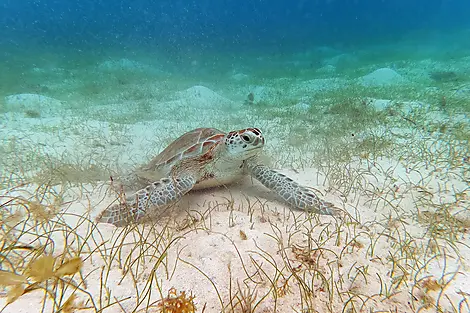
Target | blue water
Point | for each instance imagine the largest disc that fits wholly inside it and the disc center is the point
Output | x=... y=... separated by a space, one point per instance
x=222 y=24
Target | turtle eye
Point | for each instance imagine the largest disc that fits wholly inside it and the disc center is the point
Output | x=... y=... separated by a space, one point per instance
x=245 y=138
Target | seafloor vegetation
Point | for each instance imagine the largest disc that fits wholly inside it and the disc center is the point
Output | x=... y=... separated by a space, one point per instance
x=400 y=169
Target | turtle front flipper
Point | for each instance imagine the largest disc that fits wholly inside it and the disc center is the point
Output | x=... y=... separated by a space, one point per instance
x=297 y=196
x=155 y=196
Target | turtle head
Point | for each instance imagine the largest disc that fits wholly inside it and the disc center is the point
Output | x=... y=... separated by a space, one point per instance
x=244 y=143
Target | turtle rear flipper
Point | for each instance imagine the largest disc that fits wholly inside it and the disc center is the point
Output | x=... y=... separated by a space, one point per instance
x=155 y=196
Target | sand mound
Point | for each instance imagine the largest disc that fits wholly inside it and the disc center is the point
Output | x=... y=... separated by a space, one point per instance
x=382 y=77
x=33 y=104
x=201 y=97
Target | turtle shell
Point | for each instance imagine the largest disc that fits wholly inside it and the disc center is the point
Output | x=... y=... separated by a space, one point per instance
x=192 y=144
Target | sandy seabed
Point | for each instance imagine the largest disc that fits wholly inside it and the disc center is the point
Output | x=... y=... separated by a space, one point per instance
x=401 y=246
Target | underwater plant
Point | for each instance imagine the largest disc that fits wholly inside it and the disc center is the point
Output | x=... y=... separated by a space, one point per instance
x=175 y=303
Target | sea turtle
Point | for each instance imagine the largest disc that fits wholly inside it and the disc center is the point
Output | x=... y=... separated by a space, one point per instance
x=202 y=158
